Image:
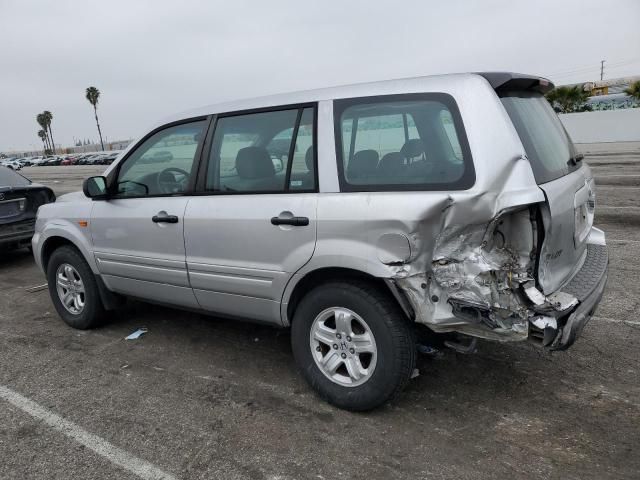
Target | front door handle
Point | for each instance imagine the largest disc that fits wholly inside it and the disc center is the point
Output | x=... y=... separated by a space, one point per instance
x=295 y=221
x=162 y=217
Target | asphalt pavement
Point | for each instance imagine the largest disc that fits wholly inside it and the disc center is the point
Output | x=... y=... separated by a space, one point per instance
x=201 y=398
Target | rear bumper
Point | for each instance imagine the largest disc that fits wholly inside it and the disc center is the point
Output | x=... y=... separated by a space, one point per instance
x=588 y=287
x=18 y=232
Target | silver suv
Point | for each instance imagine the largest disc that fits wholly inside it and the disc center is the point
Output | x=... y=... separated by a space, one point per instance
x=359 y=216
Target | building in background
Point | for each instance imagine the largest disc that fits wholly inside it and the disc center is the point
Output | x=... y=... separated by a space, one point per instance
x=609 y=94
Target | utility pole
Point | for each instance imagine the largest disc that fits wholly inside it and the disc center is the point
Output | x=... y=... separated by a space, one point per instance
x=601 y=69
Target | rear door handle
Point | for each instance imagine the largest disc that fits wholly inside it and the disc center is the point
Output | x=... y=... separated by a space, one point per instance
x=295 y=221
x=162 y=217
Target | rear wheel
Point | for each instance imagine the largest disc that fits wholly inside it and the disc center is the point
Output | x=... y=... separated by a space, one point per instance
x=73 y=289
x=353 y=344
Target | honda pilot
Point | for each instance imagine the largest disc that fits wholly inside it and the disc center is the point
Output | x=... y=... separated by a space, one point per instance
x=355 y=216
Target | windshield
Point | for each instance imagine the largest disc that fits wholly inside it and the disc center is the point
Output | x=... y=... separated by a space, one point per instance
x=9 y=178
x=544 y=138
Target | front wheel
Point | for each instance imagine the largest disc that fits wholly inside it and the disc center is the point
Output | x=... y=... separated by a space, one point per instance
x=73 y=289
x=353 y=344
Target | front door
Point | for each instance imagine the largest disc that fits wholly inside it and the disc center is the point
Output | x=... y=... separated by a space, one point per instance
x=255 y=225
x=138 y=233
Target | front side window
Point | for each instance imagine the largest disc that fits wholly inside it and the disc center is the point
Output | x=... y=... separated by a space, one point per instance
x=163 y=164
x=402 y=142
x=263 y=152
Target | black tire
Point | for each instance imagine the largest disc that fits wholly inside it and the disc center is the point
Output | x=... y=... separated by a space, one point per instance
x=92 y=314
x=393 y=333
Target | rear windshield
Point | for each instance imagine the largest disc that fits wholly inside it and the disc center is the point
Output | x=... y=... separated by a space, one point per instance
x=545 y=140
x=9 y=178
x=402 y=142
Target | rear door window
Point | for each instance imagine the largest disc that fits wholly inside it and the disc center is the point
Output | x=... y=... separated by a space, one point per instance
x=543 y=136
x=263 y=152
x=402 y=142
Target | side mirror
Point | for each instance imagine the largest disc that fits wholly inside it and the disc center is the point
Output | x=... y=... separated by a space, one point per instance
x=95 y=187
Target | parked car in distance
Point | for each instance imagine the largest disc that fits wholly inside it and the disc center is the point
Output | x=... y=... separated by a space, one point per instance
x=454 y=204
x=19 y=202
x=52 y=162
x=35 y=161
x=11 y=163
x=109 y=159
x=157 y=157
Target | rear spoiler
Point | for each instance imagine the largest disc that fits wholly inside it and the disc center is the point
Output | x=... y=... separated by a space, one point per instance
x=508 y=82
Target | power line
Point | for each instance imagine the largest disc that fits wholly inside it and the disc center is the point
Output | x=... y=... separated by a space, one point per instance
x=593 y=72
x=579 y=69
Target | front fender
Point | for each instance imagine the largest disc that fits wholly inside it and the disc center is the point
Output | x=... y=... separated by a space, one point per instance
x=79 y=236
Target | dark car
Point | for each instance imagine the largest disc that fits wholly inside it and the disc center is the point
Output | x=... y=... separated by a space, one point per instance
x=19 y=202
x=156 y=157
x=96 y=159
x=108 y=160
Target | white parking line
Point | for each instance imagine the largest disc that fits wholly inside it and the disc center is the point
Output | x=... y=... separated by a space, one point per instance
x=135 y=465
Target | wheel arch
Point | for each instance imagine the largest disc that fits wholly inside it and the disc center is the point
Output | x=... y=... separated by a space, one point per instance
x=302 y=284
x=110 y=300
x=56 y=238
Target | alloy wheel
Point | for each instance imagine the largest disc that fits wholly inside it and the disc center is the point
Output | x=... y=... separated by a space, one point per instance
x=70 y=289
x=343 y=346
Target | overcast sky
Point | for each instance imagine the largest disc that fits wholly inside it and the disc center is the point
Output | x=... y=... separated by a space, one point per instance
x=151 y=58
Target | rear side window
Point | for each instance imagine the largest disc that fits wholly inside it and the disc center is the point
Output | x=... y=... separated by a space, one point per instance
x=402 y=142
x=543 y=136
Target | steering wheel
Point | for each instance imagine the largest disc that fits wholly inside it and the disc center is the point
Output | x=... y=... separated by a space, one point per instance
x=169 y=182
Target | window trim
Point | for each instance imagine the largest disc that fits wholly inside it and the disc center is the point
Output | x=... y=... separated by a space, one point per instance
x=468 y=178
x=201 y=183
x=112 y=178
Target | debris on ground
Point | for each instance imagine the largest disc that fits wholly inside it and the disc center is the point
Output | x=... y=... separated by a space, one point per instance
x=137 y=334
x=37 y=288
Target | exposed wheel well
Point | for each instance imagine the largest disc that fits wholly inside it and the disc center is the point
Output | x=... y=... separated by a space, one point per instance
x=50 y=245
x=325 y=275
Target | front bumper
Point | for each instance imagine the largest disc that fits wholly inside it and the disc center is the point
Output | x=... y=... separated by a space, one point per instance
x=17 y=233
x=587 y=285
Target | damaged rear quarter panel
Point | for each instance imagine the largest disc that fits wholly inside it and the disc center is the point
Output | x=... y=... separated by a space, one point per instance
x=434 y=222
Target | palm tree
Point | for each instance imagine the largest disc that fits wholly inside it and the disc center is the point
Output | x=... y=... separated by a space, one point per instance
x=634 y=91
x=42 y=121
x=43 y=136
x=567 y=99
x=48 y=117
x=92 y=95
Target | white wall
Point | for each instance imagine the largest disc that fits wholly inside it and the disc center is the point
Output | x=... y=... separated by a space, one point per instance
x=604 y=126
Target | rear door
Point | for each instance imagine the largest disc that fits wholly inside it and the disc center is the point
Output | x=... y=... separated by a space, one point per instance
x=253 y=224
x=566 y=182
